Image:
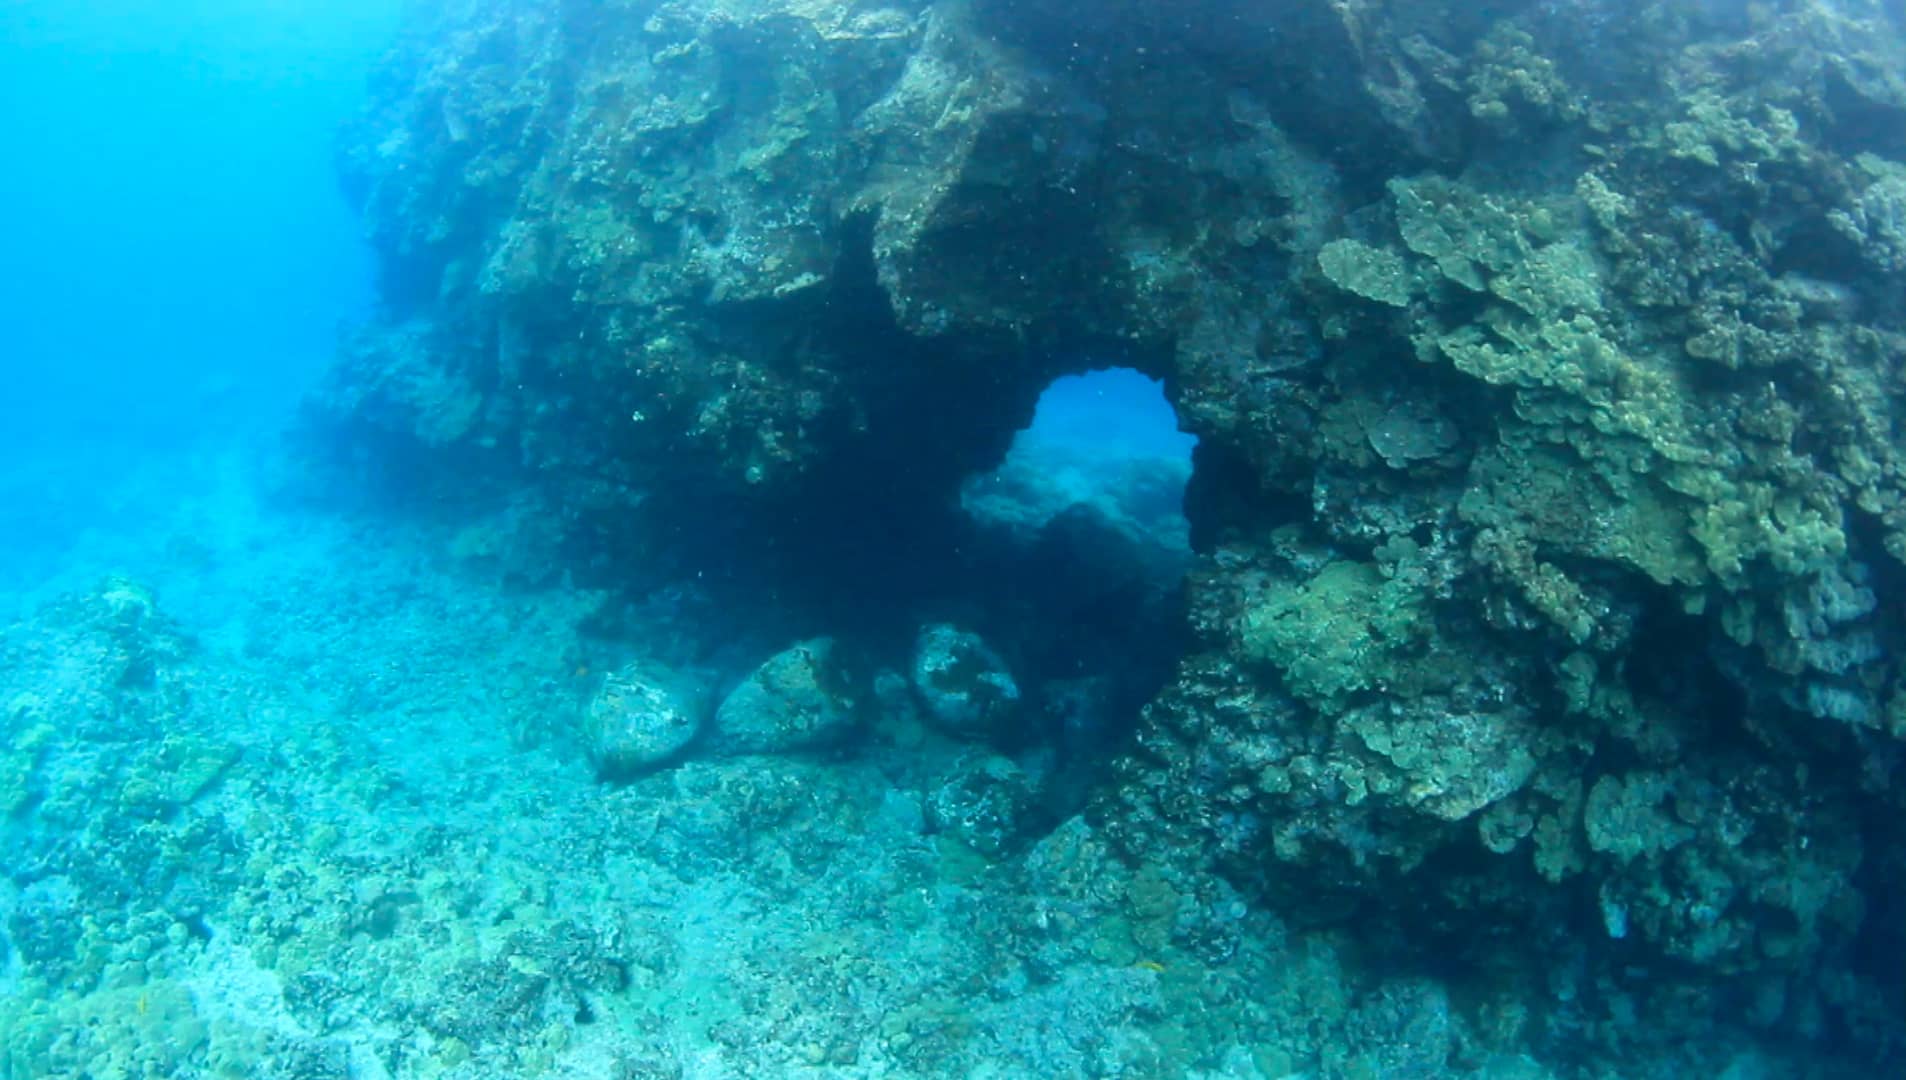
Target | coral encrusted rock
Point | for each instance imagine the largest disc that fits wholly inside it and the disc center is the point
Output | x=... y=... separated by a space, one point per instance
x=986 y=803
x=967 y=689
x=642 y=716
x=1546 y=361
x=802 y=698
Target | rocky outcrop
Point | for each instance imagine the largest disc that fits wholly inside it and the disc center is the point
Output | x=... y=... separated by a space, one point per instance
x=802 y=698
x=1546 y=360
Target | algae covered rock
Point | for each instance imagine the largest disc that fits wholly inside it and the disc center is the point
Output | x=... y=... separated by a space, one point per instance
x=1546 y=365
x=1876 y=219
x=966 y=688
x=1372 y=273
x=802 y=698
x=986 y=803
x=1335 y=633
x=642 y=716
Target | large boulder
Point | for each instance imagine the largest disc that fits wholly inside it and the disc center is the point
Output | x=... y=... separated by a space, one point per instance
x=967 y=689
x=802 y=698
x=642 y=716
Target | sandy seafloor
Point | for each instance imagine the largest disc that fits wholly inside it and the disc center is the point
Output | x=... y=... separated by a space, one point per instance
x=296 y=792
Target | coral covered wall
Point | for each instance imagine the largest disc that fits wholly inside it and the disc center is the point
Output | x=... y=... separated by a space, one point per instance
x=1548 y=364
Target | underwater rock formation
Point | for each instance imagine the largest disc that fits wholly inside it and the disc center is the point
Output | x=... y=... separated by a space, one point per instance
x=641 y=716
x=802 y=698
x=1548 y=364
x=986 y=802
x=966 y=688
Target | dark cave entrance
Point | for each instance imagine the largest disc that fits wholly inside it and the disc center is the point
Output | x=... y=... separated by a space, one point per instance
x=1061 y=548
x=1021 y=498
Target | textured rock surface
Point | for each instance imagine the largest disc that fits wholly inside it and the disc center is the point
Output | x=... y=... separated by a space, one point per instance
x=800 y=699
x=642 y=716
x=1547 y=360
x=966 y=688
x=986 y=803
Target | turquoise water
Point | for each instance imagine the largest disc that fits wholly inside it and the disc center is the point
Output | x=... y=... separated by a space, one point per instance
x=179 y=256
x=1112 y=411
x=180 y=261
x=1106 y=439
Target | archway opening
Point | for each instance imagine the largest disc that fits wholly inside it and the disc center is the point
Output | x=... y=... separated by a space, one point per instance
x=1083 y=523
x=1106 y=441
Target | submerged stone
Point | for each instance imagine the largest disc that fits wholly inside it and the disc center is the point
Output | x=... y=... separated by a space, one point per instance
x=801 y=699
x=642 y=716
x=986 y=804
x=967 y=689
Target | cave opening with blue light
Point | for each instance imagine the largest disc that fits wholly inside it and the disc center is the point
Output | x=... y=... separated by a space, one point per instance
x=1105 y=442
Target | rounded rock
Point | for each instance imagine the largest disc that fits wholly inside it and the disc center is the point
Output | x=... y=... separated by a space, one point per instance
x=966 y=688
x=641 y=717
x=987 y=803
x=800 y=699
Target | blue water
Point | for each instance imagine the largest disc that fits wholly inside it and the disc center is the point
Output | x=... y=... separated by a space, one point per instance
x=179 y=259
x=1106 y=439
x=1115 y=411
x=178 y=255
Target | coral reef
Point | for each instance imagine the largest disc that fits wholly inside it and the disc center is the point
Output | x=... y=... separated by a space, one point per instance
x=1547 y=362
